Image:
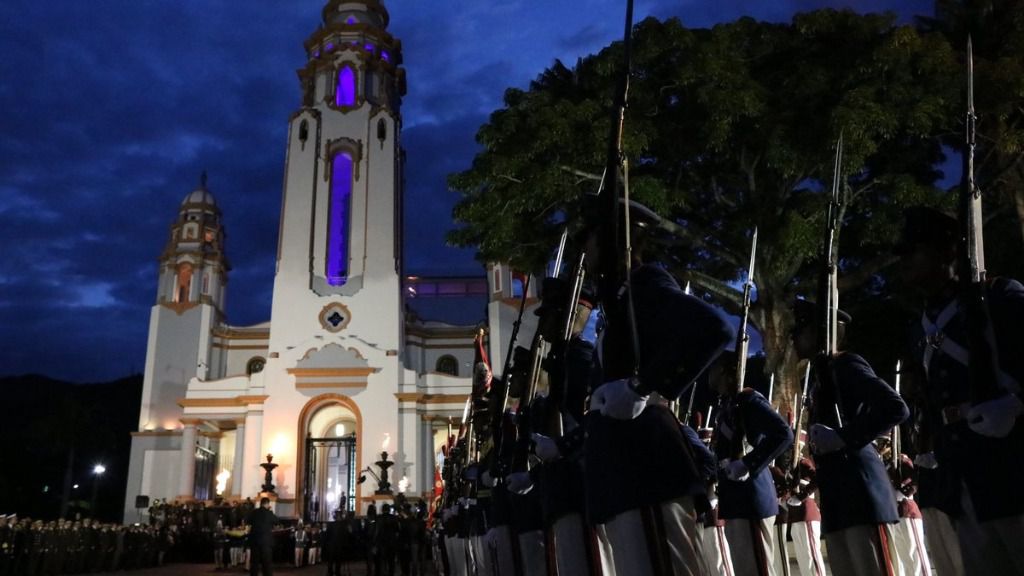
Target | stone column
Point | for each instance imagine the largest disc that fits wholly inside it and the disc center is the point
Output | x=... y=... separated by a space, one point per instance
x=187 y=468
x=236 y=468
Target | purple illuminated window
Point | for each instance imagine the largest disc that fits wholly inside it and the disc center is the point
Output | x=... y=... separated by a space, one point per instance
x=345 y=91
x=330 y=46
x=351 y=20
x=385 y=56
x=316 y=54
x=369 y=47
x=338 y=223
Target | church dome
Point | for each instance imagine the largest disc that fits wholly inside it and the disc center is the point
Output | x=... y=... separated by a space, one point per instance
x=370 y=12
x=201 y=195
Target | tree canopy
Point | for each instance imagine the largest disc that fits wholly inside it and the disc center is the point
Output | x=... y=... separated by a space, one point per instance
x=730 y=128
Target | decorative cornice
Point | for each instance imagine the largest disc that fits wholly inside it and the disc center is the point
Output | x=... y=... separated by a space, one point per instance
x=221 y=402
x=325 y=372
x=420 y=398
x=235 y=334
x=157 y=433
x=317 y=385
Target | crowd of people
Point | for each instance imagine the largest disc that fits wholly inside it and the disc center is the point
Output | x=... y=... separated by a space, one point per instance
x=391 y=541
x=35 y=548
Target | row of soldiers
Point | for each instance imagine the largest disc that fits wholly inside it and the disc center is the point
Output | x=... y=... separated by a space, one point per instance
x=620 y=486
x=36 y=548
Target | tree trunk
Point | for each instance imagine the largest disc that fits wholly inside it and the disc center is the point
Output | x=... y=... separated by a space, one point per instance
x=781 y=359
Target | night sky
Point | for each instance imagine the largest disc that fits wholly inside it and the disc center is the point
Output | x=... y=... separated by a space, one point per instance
x=111 y=109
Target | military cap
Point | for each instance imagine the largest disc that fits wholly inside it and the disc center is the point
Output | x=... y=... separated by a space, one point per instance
x=927 y=225
x=805 y=312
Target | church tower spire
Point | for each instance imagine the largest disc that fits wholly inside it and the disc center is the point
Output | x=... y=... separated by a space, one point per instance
x=193 y=267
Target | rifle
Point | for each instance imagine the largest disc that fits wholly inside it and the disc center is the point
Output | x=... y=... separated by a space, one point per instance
x=894 y=443
x=619 y=340
x=828 y=288
x=742 y=336
x=496 y=418
x=742 y=346
x=798 y=421
x=984 y=375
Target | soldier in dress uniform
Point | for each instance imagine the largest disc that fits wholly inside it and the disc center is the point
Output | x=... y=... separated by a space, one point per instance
x=749 y=436
x=561 y=474
x=714 y=545
x=908 y=534
x=977 y=448
x=803 y=517
x=641 y=476
x=849 y=407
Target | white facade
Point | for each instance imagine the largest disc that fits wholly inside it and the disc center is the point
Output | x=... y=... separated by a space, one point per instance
x=338 y=353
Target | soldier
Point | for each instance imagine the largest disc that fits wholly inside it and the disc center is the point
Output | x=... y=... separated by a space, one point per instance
x=715 y=552
x=803 y=516
x=849 y=407
x=747 y=498
x=641 y=476
x=977 y=446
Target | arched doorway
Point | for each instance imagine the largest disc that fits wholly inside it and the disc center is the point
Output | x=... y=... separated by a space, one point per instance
x=330 y=461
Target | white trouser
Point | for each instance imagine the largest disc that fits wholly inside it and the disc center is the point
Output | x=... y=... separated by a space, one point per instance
x=456 y=549
x=625 y=550
x=992 y=547
x=942 y=542
x=499 y=540
x=861 y=551
x=753 y=546
x=807 y=547
x=908 y=539
x=715 y=551
x=532 y=552
x=571 y=544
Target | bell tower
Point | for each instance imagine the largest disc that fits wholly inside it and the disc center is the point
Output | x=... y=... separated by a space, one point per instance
x=190 y=302
x=340 y=236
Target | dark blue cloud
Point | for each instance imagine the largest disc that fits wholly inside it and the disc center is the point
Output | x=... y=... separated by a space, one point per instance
x=111 y=109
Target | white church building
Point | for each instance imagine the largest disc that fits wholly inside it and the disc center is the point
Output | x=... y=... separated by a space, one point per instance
x=341 y=372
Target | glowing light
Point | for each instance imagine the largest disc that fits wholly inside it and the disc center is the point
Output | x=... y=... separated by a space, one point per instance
x=339 y=430
x=75 y=487
x=369 y=47
x=403 y=484
x=331 y=496
x=170 y=425
x=337 y=230
x=279 y=447
x=385 y=56
x=222 y=481
x=387 y=441
x=99 y=469
x=345 y=92
x=350 y=20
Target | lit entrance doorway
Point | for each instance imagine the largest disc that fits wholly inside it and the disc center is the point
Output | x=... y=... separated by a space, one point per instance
x=330 y=477
x=329 y=457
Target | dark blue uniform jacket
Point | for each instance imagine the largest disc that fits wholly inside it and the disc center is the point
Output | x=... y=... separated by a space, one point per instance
x=768 y=436
x=646 y=461
x=855 y=489
x=989 y=467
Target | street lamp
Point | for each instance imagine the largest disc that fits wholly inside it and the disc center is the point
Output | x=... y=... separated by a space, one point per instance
x=97 y=471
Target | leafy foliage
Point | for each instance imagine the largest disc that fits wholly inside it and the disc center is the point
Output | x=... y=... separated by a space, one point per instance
x=727 y=129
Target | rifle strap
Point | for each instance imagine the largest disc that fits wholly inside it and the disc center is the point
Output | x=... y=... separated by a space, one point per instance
x=936 y=339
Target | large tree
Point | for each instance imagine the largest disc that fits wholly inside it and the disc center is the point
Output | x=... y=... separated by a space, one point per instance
x=727 y=129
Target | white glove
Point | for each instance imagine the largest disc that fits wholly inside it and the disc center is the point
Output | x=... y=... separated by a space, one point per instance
x=825 y=440
x=519 y=482
x=926 y=460
x=900 y=496
x=617 y=400
x=545 y=448
x=486 y=479
x=794 y=501
x=712 y=496
x=735 y=470
x=995 y=418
